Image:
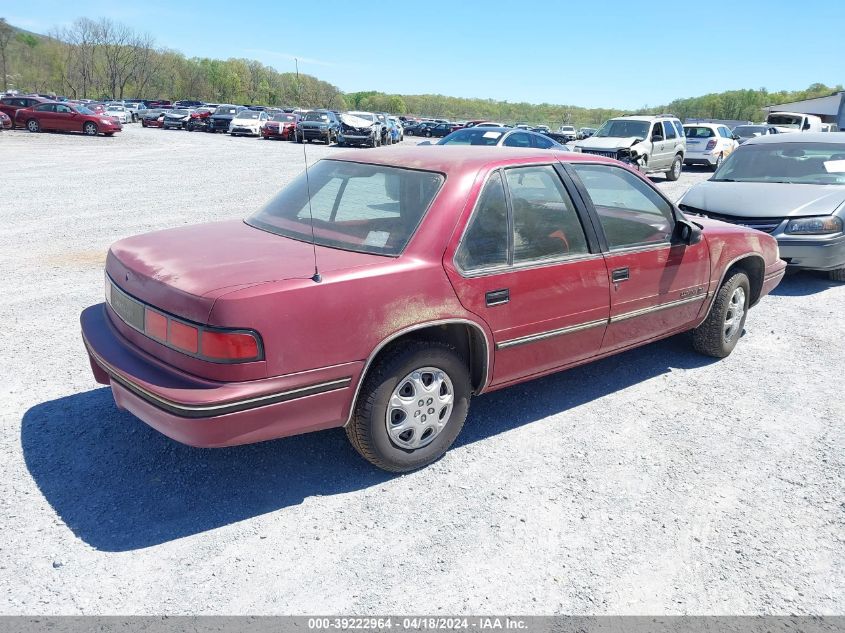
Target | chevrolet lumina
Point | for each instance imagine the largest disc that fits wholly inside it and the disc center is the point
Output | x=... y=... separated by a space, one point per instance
x=408 y=281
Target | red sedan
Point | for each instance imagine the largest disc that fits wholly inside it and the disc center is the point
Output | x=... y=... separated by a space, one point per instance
x=63 y=117
x=281 y=126
x=425 y=277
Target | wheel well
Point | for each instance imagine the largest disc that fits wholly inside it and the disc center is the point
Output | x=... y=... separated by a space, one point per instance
x=468 y=340
x=754 y=267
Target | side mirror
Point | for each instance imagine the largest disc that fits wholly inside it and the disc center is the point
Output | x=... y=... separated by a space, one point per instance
x=686 y=232
x=734 y=137
x=656 y=138
x=806 y=125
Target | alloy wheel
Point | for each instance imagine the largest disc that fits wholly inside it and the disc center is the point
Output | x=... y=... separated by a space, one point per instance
x=734 y=314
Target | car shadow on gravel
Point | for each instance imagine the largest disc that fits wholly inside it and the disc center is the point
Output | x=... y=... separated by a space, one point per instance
x=119 y=485
x=804 y=282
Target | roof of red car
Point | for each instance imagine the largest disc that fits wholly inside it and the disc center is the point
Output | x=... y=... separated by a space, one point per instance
x=459 y=158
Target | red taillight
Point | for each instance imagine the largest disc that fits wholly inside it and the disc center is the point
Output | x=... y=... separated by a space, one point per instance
x=155 y=324
x=229 y=345
x=183 y=337
x=711 y=145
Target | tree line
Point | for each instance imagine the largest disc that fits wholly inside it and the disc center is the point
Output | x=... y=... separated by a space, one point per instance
x=103 y=59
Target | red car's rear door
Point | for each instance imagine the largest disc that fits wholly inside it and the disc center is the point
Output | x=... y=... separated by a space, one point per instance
x=532 y=269
x=657 y=285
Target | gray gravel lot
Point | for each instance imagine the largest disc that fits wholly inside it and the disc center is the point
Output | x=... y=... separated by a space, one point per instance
x=654 y=482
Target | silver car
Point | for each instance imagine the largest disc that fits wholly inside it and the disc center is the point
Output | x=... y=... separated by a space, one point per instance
x=791 y=186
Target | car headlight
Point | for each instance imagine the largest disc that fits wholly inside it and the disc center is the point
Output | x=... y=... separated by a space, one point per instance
x=576 y=149
x=107 y=121
x=814 y=226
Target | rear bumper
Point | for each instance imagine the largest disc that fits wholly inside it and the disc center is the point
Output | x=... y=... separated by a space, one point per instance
x=205 y=413
x=813 y=254
x=701 y=158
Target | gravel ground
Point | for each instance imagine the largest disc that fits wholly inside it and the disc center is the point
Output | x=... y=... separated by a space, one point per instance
x=654 y=482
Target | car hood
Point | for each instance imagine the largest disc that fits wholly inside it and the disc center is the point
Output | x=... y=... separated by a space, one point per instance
x=608 y=142
x=764 y=199
x=184 y=270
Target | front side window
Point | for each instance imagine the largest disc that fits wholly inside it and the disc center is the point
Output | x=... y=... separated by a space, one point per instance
x=355 y=206
x=631 y=213
x=545 y=221
x=485 y=242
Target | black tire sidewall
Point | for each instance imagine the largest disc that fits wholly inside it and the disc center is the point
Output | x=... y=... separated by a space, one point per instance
x=376 y=430
x=721 y=309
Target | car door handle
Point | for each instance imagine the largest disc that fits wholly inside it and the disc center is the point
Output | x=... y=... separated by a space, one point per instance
x=620 y=274
x=497 y=297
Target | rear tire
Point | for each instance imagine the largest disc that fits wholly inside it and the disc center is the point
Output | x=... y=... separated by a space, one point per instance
x=390 y=397
x=719 y=333
x=675 y=170
x=837 y=275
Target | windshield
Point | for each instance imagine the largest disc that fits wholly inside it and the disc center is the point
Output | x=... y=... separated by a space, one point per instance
x=283 y=117
x=226 y=110
x=316 y=116
x=699 y=131
x=82 y=109
x=623 y=128
x=785 y=120
x=802 y=163
x=472 y=136
x=248 y=114
x=355 y=206
x=115 y=108
x=178 y=112
x=749 y=130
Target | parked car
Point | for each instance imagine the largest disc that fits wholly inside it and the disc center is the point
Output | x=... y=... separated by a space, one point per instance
x=97 y=108
x=359 y=128
x=708 y=144
x=568 y=131
x=652 y=143
x=247 y=122
x=62 y=117
x=5 y=121
x=222 y=117
x=119 y=112
x=490 y=124
x=791 y=186
x=199 y=119
x=501 y=137
x=419 y=128
x=563 y=139
x=439 y=130
x=281 y=126
x=11 y=104
x=541 y=129
x=318 y=125
x=187 y=104
x=135 y=108
x=746 y=132
x=794 y=122
x=161 y=103
x=176 y=119
x=585 y=132
x=424 y=300
x=384 y=120
x=152 y=117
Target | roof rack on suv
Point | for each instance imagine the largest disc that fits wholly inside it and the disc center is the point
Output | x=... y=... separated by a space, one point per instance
x=671 y=116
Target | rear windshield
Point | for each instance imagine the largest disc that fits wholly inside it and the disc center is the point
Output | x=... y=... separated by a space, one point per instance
x=798 y=163
x=785 y=120
x=699 y=132
x=355 y=206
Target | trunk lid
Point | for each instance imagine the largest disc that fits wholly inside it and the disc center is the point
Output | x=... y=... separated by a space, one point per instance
x=184 y=270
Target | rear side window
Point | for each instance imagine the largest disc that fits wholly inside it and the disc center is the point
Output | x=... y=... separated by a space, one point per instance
x=485 y=243
x=670 y=129
x=631 y=213
x=517 y=139
x=47 y=107
x=541 y=142
x=678 y=128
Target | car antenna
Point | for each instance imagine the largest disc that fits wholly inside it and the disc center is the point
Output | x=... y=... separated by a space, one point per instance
x=316 y=277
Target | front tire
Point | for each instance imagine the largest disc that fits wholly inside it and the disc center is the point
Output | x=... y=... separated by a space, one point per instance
x=412 y=406
x=719 y=333
x=675 y=170
x=90 y=129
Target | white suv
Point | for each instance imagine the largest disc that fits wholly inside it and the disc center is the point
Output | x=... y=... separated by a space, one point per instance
x=651 y=143
x=708 y=144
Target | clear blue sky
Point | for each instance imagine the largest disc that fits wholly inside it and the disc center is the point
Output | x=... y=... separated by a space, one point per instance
x=593 y=54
